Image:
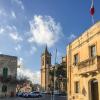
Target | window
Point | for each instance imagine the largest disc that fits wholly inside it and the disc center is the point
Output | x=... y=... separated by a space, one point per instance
x=48 y=61
x=5 y=72
x=42 y=62
x=92 y=51
x=77 y=87
x=4 y=88
x=76 y=58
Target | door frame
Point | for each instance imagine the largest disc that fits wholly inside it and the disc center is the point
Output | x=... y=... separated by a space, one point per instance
x=89 y=88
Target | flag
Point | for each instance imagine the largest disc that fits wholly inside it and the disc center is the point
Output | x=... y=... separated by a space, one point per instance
x=92 y=9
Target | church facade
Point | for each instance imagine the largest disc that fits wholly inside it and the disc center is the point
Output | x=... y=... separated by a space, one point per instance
x=45 y=68
x=53 y=77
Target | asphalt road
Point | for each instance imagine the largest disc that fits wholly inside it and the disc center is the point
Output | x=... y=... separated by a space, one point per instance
x=46 y=97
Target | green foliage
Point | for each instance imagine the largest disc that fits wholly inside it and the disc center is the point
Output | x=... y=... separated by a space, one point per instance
x=60 y=72
x=60 y=76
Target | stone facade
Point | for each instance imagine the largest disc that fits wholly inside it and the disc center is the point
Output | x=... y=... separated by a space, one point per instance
x=83 y=66
x=45 y=67
x=8 y=73
x=48 y=71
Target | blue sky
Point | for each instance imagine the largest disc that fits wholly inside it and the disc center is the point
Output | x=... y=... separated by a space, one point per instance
x=26 y=26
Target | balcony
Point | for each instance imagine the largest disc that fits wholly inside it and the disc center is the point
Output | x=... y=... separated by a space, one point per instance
x=8 y=79
x=89 y=65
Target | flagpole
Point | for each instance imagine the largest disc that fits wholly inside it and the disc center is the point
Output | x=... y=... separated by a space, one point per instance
x=92 y=15
x=92 y=10
x=92 y=19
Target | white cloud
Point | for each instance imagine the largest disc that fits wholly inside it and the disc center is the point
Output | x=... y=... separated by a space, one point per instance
x=11 y=28
x=2 y=12
x=16 y=37
x=71 y=37
x=18 y=47
x=1 y=30
x=45 y=30
x=13 y=14
x=6 y=14
x=33 y=50
x=33 y=76
x=12 y=32
x=20 y=3
x=0 y=52
x=20 y=62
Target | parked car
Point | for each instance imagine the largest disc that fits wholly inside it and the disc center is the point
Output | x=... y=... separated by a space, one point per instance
x=32 y=95
x=60 y=93
x=38 y=94
x=45 y=92
x=19 y=94
x=35 y=94
x=25 y=94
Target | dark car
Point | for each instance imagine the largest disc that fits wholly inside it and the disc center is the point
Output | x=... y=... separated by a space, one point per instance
x=37 y=94
x=19 y=94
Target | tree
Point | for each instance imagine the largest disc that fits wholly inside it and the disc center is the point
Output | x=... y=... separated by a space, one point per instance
x=60 y=74
x=20 y=82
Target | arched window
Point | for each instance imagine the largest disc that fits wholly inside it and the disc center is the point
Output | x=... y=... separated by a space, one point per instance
x=4 y=88
x=5 y=72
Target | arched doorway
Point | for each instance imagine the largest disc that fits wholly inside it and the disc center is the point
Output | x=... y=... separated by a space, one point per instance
x=93 y=89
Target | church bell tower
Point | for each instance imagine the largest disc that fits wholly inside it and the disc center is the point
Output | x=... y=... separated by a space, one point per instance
x=45 y=67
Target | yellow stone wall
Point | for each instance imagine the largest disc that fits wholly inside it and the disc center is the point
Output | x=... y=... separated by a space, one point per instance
x=45 y=67
x=43 y=72
x=43 y=79
x=74 y=73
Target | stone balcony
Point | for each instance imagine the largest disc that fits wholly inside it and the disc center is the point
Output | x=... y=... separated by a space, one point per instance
x=8 y=79
x=88 y=66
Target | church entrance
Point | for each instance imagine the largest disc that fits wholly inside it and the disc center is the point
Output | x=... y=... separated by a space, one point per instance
x=93 y=85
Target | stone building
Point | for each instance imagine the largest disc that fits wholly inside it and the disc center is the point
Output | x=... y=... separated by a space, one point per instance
x=8 y=73
x=47 y=73
x=45 y=67
x=83 y=65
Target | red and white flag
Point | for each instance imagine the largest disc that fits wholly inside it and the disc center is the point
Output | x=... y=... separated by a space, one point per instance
x=92 y=9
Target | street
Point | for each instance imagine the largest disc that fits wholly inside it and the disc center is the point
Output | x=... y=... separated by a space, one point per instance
x=46 y=97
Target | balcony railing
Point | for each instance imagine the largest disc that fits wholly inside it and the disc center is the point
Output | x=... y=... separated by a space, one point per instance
x=8 y=79
x=89 y=65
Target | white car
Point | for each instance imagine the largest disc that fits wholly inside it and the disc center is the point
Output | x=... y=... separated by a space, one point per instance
x=26 y=94
x=32 y=94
